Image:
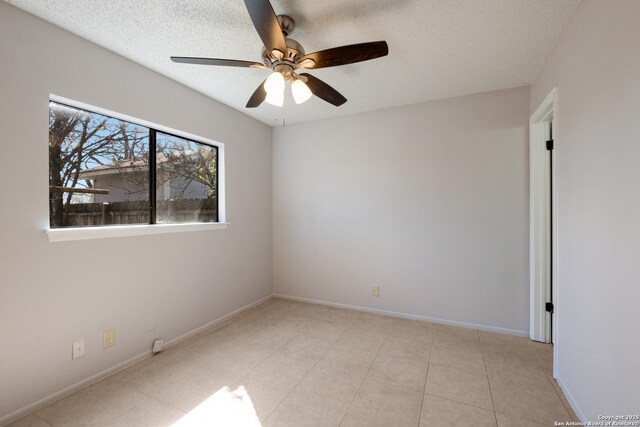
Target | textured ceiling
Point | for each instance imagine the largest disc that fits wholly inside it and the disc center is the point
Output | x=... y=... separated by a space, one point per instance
x=437 y=48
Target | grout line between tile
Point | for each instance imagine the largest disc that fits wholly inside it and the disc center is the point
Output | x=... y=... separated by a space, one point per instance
x=37 y=416
x=426 y=378
x=201 y=365
x=162 y=402
x=363 y=380
x=119 y=416
x=486 y=371
x=550 y=378
x=305 y=376
x=523 y=419
x=569 y=410
x=458 y=402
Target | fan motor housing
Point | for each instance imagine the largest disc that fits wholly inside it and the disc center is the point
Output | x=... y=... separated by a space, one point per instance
x=294 y=52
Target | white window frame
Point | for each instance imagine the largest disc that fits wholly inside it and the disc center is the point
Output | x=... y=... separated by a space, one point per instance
x=88 y=233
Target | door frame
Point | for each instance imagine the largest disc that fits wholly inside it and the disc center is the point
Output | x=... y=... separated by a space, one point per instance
x=542 y=250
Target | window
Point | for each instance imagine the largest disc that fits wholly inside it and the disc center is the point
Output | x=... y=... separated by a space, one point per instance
x=186 y=180
x=107 y=171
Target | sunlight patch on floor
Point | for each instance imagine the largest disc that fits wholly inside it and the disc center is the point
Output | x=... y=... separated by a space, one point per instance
x=224 y=408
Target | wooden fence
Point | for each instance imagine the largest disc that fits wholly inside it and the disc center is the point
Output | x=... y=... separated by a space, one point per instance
x=137 y=212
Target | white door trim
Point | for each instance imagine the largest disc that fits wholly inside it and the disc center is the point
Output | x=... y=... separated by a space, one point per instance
x=540 y=219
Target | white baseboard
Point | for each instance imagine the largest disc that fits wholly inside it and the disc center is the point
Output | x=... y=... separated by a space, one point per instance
x=215 y=322
x=488 y=328
x=60 y=394
x=39 y=404
x=54 y=397
x=572 y=401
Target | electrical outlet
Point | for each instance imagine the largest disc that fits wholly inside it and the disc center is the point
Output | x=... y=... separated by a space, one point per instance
x=376 y=291
x=109 y=338
x=157 y=345
x=78 y=349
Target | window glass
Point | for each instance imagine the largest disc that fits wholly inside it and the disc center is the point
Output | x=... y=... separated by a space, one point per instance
x=186 y=180
x=98 y=169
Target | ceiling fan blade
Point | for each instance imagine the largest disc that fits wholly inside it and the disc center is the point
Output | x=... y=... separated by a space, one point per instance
x=347 y=54
x=258 y=96
x=216 y=61
x=266 y=23
x=324 y=91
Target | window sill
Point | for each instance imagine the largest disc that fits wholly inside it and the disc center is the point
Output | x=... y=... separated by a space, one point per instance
x=90 y=233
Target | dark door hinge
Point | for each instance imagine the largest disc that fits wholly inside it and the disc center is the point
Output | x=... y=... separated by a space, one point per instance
x=549 y=307
x=550 y=144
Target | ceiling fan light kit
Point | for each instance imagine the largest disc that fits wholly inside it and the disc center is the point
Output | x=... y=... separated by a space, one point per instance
x=275 y=99
x=274 y=83
x=285 y=56
x=301 y=92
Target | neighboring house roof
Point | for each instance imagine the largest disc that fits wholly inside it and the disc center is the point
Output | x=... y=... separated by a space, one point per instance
x=123 y=166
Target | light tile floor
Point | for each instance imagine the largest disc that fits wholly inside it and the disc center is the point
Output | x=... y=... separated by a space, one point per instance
x=286 y=363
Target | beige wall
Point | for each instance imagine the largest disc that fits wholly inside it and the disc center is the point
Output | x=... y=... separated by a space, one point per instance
x=54 y=293
x=596 y=66
x=428 y=201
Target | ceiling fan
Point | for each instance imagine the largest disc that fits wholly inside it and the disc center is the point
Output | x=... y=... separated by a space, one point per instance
x=285 y=56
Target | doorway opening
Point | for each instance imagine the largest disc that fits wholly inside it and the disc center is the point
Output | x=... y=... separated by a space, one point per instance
x=542 y=257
